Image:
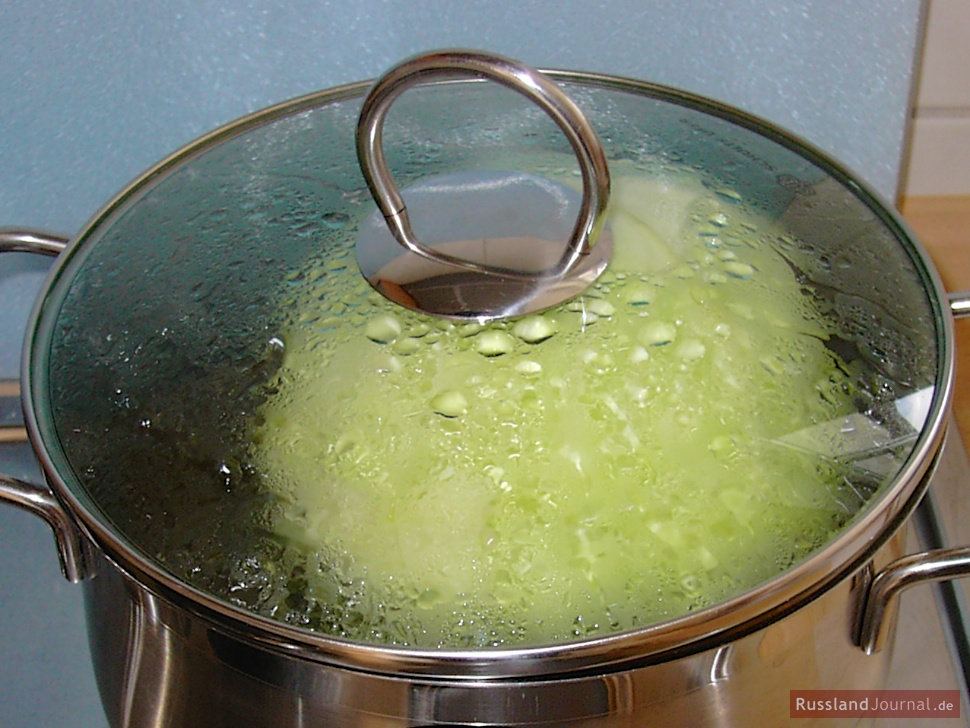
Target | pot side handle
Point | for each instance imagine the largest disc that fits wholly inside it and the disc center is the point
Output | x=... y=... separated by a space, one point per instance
x=940 y=563
x=72 y=547
x=882 y=601
x=960 y=304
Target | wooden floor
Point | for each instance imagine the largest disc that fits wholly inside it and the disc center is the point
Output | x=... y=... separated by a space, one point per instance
x=942 y=224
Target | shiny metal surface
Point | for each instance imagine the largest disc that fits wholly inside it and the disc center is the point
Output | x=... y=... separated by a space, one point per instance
x=694 y=632
x=960 y=304
x=160 y=665
x=882 y=600
x=157 y=662
x=942 y=522
x=935 y=565
x=19 y=240
x=475 y=277
x=160 y=646
x=72 y=547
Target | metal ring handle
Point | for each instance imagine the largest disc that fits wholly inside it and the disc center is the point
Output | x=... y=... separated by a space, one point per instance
x=879 y=610
x=452 y=64
x=22 y=240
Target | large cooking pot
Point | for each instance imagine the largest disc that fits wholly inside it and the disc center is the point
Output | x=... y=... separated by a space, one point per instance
x=154 y=347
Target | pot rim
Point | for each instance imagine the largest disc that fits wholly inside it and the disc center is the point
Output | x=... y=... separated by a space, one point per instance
x=708 y=627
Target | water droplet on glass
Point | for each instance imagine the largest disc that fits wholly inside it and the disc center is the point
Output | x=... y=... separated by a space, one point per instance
x=383 y=329
x=494 y=343
x=728 y=194
x=450 y=403
x=533 y=329
x=335 y=220
x=657 y=333
x=738 y=270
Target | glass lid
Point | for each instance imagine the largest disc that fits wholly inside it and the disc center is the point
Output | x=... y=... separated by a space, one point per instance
x=220 y=389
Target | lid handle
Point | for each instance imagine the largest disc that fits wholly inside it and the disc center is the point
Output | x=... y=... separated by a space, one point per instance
x=465 y=64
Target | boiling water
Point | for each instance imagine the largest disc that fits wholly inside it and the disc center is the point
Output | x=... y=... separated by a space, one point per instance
x=603 y=465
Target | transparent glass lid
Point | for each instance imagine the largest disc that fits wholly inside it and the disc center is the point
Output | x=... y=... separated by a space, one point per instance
x=222 y=391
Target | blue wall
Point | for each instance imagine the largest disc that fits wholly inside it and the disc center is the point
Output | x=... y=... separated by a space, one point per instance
x=92 y=93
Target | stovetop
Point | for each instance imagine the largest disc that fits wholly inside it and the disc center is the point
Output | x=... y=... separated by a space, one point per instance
x=46 y=677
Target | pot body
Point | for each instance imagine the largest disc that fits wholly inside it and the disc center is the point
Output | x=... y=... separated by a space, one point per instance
x=167 y=654
x=158 y=664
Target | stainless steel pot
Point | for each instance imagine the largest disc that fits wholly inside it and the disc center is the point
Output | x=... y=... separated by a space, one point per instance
x=172 y=284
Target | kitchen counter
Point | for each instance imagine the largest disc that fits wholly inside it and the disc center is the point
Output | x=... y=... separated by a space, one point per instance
x=942 y=224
